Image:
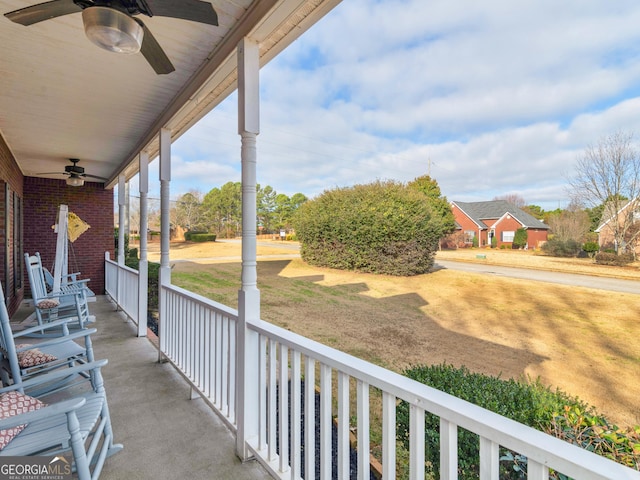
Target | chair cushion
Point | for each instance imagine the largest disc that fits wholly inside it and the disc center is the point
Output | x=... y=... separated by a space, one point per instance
x=33 y=356
x=15 y=403
x=45 y=304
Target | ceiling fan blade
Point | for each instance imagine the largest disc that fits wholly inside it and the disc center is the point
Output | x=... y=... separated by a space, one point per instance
x=194 y=10
x=93 y=176
x=154 y=54
x=42 y=11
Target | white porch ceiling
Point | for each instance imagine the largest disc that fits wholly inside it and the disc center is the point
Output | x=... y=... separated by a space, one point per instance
x=62 y=97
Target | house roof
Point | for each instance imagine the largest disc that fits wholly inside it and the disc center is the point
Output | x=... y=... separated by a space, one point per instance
x=610 y=214
x=495 y=209
x=62 y=97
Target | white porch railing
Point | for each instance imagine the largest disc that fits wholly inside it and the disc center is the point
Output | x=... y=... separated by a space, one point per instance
x=121 y=284
x=199 y=337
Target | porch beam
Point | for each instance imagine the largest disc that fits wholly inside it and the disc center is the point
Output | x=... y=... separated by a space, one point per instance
x=247 y=373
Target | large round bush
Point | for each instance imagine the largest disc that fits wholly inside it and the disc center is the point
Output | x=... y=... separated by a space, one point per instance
x=382 y=227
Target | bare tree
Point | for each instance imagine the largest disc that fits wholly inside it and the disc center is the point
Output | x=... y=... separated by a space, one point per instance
x=513 y=198
x=188 y=210
x=570 y=224
x=609 y=174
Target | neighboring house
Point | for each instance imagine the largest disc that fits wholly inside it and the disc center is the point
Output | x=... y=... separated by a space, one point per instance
x=497 y=219
x=629 y=215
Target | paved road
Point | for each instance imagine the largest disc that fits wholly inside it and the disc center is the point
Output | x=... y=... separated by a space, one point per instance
x=601 y=283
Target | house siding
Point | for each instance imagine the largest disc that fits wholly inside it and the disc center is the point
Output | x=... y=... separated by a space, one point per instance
x=92 y=203
x=466 y=224
x=606 y=235
x=505 y=224
x=11 y=182
x=536 y=237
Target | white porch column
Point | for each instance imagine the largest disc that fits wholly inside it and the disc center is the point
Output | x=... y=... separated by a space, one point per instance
x=165 y=226
x=121 y=217
x=143 y=267
x=121 y=229
x=127 y=209
x=247 y=372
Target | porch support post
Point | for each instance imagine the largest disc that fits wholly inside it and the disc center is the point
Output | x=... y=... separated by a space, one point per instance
x=248 y=360
x=121 y=228
x=122 y=197
x=143 y=267
x=165 y=228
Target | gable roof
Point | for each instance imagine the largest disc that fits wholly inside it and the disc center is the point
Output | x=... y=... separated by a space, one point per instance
x=610 y=215
x=495 y=209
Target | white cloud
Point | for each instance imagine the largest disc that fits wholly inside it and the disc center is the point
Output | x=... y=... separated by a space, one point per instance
x=497 y=97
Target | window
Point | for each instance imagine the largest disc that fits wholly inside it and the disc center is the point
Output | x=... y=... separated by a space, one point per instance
x=469 y=235
x=507 y=236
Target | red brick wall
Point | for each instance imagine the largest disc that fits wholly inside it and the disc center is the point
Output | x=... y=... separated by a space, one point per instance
x=536 y=237
x=468 y=225
x=10 y=175
x=506 y=224
x=92 y=203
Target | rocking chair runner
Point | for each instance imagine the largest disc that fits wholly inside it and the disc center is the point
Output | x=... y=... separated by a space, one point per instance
x=64 y=426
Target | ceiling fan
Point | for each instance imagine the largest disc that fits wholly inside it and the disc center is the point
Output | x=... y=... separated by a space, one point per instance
x=75 y=173
x=111 y=25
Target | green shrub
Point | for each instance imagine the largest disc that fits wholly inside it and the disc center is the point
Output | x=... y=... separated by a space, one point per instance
x=596 y=434
x=475 y=242
x=520 y=238
x=201 y=237
x=606 y=258
x=591 y=248
x=383 y=227
x=494 y=241
x=529 y=403
x=188 y=236
x=561 y=248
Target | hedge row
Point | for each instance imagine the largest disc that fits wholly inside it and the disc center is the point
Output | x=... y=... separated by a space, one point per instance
x=199 y=237
x=606 y=258
x=530 y=403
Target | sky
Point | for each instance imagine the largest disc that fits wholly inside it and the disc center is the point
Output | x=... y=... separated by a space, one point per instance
x=489 y=98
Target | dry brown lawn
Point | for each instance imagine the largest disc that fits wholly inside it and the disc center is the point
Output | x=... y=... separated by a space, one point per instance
x=581 y=340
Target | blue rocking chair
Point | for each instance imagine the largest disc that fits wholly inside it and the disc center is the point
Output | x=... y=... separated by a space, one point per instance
x=80 y=425
x=70 y=302
x=25 y=360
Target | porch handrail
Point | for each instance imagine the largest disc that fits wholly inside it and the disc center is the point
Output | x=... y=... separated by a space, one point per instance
x=543 y=451
x=198 y=336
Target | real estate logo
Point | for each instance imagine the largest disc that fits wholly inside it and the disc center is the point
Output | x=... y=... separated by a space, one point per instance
x=35 y=468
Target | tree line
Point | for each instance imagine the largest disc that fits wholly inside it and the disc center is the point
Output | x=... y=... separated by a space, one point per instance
x=220 y=210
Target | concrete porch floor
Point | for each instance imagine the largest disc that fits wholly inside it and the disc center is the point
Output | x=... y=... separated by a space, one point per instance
x=166 y=435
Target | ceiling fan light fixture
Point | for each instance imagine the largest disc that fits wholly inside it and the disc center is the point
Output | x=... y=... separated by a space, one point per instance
x=75 y=181
x=112 y=30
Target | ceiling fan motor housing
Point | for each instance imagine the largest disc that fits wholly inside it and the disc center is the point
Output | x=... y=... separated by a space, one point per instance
x=74 y=169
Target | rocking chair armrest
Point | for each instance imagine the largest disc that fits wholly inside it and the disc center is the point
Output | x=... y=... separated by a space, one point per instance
x=55 y=375
x=46 y=326
x=61 y=339
x=77 y=291
x=47 y=411
x=77 y=283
